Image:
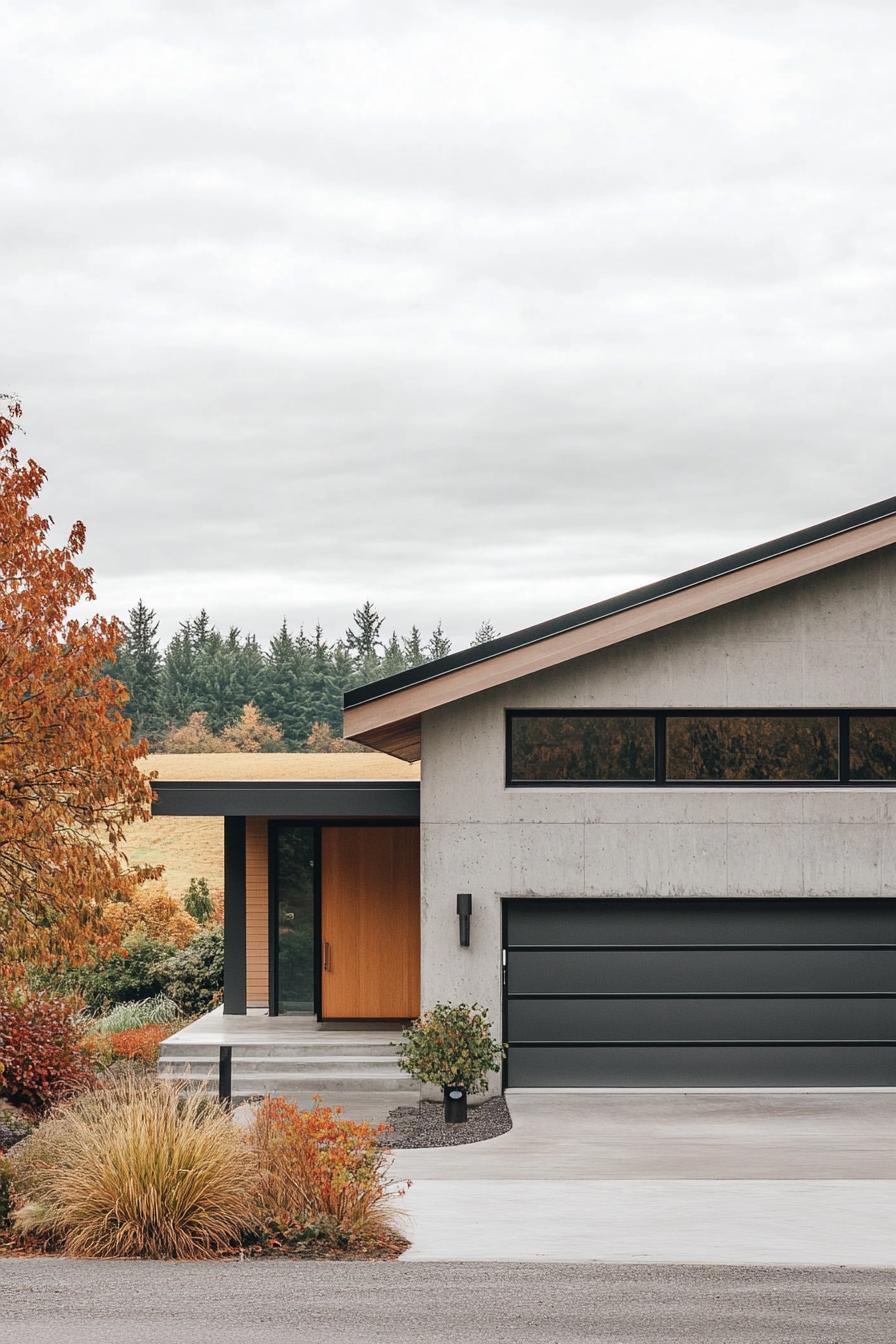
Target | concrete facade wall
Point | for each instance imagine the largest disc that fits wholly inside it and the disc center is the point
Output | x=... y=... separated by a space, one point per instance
x=828 y=640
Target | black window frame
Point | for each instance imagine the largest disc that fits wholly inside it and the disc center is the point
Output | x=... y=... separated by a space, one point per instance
x=661 y=717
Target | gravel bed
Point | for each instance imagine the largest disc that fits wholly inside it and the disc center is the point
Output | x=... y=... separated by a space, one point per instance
x=423 y=1126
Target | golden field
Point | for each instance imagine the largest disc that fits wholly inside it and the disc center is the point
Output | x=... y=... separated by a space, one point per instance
x=194 y=846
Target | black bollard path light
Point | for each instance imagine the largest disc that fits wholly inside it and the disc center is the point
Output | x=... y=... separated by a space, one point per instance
x=455 y=1099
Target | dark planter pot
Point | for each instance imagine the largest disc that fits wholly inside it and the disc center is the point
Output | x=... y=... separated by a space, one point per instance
x=455 y=1100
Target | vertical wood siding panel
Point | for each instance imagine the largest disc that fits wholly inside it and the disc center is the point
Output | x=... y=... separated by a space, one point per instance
x=257 y=912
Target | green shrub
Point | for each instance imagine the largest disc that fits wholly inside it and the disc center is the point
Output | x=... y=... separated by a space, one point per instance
x=191 y=976
x=194 y=976
x=125 y=976
x=13 y=1126
x=143 y=1013
x=137 y=1168
x=41 y=1057
x=5 y=1190
x=451 y=1046
x=198 y=901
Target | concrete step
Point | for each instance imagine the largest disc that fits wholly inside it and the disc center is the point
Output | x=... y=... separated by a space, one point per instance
x=322 y=1045
x=303 y=1073
x=318 y=1082
x=295 y=1087
x=314 y=1064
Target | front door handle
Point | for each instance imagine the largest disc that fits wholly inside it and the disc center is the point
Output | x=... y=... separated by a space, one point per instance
x=328 y=959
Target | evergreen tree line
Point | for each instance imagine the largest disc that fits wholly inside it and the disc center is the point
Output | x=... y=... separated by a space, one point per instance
x=297 y=681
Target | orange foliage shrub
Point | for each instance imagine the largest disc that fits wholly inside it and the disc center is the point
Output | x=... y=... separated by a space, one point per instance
x=252 y=732
x=140 y=1044
x=322 y=738
x=321 y=1177
x=155 y=912
x=192 y=737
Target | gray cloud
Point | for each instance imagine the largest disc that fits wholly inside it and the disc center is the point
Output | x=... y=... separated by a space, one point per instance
x=477 y=309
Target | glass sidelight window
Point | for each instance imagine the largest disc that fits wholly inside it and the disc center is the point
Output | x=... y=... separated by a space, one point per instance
x=294 y=903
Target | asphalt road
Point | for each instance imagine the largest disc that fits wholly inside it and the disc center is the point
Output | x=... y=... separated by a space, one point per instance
x=94 y=1302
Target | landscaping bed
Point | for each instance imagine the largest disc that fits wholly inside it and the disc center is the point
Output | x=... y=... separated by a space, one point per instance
x=424 y=1126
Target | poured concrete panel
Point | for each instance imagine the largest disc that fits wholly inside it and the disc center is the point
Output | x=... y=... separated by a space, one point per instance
x=828 y=640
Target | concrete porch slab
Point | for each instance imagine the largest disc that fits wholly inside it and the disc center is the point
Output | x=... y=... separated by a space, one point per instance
x=256 y=1028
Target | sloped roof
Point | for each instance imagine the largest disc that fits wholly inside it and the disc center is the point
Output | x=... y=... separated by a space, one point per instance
x=386 y=714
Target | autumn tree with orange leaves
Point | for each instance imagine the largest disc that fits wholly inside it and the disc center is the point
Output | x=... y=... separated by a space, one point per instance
x=69 y=779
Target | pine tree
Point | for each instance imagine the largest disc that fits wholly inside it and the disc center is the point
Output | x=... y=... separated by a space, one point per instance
x=284 y=696
x=201 y=629
x=324 y=695
x=218 y=687
x=363 y=641
x=250 y=672
x=485 y=633
x=140 y=668
x=412 y=645
x=306 y=710
x=393 y=658
x=439 y=644
x=343 y=677
x=179 y=699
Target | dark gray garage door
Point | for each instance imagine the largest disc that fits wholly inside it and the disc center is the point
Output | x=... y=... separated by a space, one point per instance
x=660 y=993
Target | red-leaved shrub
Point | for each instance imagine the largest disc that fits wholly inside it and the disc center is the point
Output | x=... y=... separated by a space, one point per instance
x=322 y=1177
x=41 y=1056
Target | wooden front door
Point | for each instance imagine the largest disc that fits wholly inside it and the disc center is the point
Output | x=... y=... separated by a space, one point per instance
x=370 y=921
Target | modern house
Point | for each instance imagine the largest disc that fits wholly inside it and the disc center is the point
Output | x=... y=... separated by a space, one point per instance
x=674 y=813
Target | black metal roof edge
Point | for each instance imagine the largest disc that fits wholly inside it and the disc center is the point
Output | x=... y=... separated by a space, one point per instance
x=331 y=800
x=611 y=606
x=257 y=785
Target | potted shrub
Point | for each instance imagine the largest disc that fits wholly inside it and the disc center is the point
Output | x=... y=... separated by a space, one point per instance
x=451 y=1047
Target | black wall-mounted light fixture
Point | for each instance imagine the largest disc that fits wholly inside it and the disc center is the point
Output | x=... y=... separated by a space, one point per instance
x=464 y=910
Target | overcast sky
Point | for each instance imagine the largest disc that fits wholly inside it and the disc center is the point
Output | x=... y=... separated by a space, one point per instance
x=475 y=309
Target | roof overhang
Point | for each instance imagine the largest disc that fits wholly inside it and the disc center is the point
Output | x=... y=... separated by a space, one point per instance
x=305 y=800
x=386 y=714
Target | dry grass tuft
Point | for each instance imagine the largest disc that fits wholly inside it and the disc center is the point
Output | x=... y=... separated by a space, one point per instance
x=137 y=1169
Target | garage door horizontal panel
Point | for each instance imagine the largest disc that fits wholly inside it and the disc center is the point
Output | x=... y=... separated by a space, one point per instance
x=640 y=971
x=696 y=1019
x=702 y=1066
x=584 y=922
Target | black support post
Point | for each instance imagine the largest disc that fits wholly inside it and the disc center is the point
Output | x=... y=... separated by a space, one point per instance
x=225 y=1062
x=234 y=914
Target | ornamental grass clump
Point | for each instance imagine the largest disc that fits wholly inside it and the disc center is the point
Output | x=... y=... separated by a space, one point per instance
x=451 y=1046
x=137 y=1168
x=158 y=1009
x=322 y=1179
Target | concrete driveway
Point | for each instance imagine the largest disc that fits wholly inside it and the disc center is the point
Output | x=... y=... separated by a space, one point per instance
x=691 y=1177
